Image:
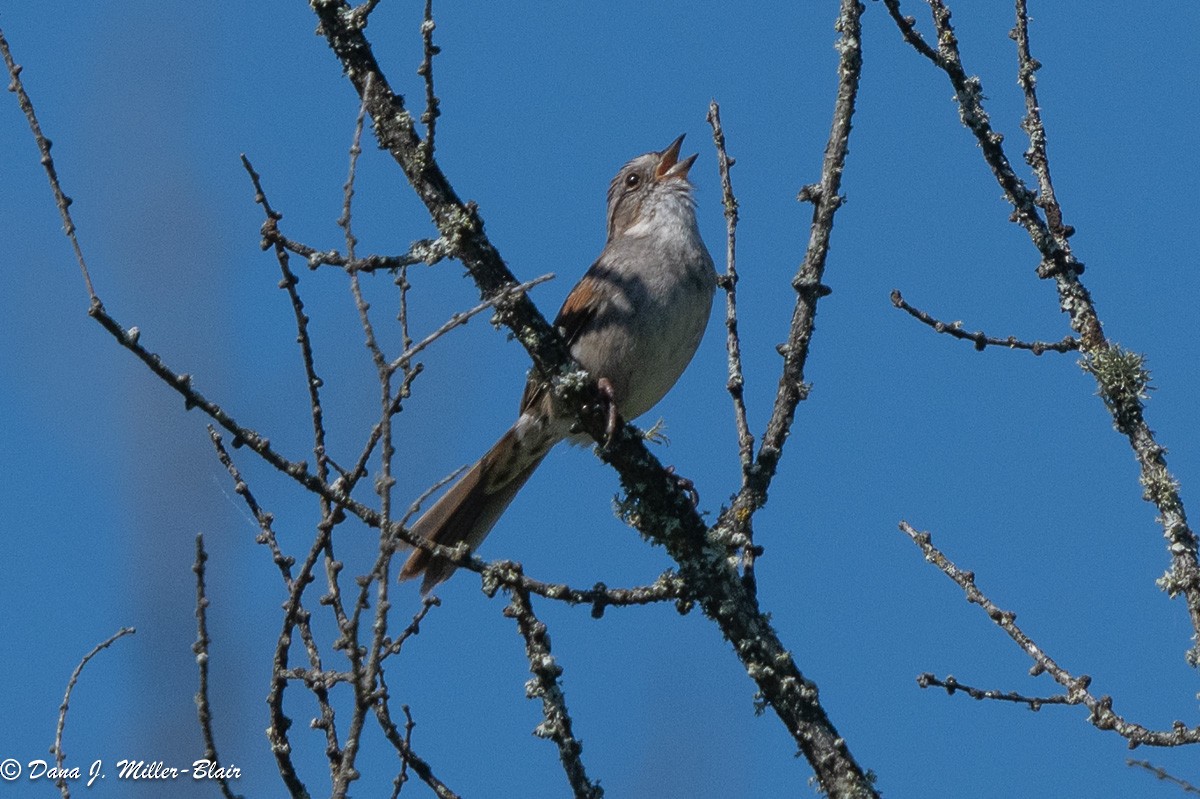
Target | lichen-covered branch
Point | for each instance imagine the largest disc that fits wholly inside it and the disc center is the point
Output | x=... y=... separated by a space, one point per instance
x=1119 y=374
x=557 y=725
x=656 y=504
x=1101 y=714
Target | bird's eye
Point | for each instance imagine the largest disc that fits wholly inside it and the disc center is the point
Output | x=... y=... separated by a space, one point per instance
x=632 y=180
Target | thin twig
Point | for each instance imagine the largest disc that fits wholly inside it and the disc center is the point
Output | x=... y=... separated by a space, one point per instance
x=402 y=744
x=952 y=686
x=1162 y=774
x=200 y=648
x=669 y=587
x=545 y=686
x=1057 y=256
x=423 y=251
x=381 y=706
x=743 y=528
x=266 y=534
x=368 y=671
x=57 y=749
x=979 y=338
x=729 y=281
x=405 y=286
x=271 y=237
x=1101 y=714
x=409 y=725
x=359 y=470
x=294 y=615
x=432 y=110
x=461 y=318
x=1036 y=156
x=43 y=144
x=825 y=200
x=289 y=283
x=393 y=646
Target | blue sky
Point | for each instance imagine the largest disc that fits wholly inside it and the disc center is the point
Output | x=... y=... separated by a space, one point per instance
x=1008 y=459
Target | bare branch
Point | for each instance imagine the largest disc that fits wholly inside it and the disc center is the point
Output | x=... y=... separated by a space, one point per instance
x=458 y=222
x=367 y=673
x=294 y=615
x=200 y=648
x=1101 y=713
x=744 y=529
x=737 y=381
x=44 y=144
x=1162 y=774
x=952 y=686
x=980 y=339
x=1036 y=156
x=56 y=749
x=423 y=251
x=461 y=318
x=402 y=745
x=505 y=574
x=289 y=282
x=393 y=646
x=432 y=110
x=825 y=200
x=656 y=505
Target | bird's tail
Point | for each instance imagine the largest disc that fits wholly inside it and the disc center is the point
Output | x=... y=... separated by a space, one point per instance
x=469 y=510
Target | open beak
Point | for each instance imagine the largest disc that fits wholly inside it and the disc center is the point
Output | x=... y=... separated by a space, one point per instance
x=669 y=165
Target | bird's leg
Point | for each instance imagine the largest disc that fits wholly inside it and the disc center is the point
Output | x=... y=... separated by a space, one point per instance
x=609 y=399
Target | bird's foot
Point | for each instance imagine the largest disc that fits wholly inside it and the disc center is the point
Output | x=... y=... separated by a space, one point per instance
x=685 y=485
x=610 y=400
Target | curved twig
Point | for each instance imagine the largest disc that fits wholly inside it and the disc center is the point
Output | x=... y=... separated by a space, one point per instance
x=56 y=749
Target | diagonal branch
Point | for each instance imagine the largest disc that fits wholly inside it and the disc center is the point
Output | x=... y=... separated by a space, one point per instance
x=1101 y=713
x=1120 y=376
x=43 y=144
x=1163 y=774
x=655 y=503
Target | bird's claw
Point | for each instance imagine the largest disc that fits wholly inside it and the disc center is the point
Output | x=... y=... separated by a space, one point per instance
x=686 y=486
x=610 y=400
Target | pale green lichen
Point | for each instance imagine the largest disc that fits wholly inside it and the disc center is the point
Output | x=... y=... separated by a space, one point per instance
x=1123 y=380
x=1159 y=487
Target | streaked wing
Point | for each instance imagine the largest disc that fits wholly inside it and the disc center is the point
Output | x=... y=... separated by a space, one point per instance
x=577 y=312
